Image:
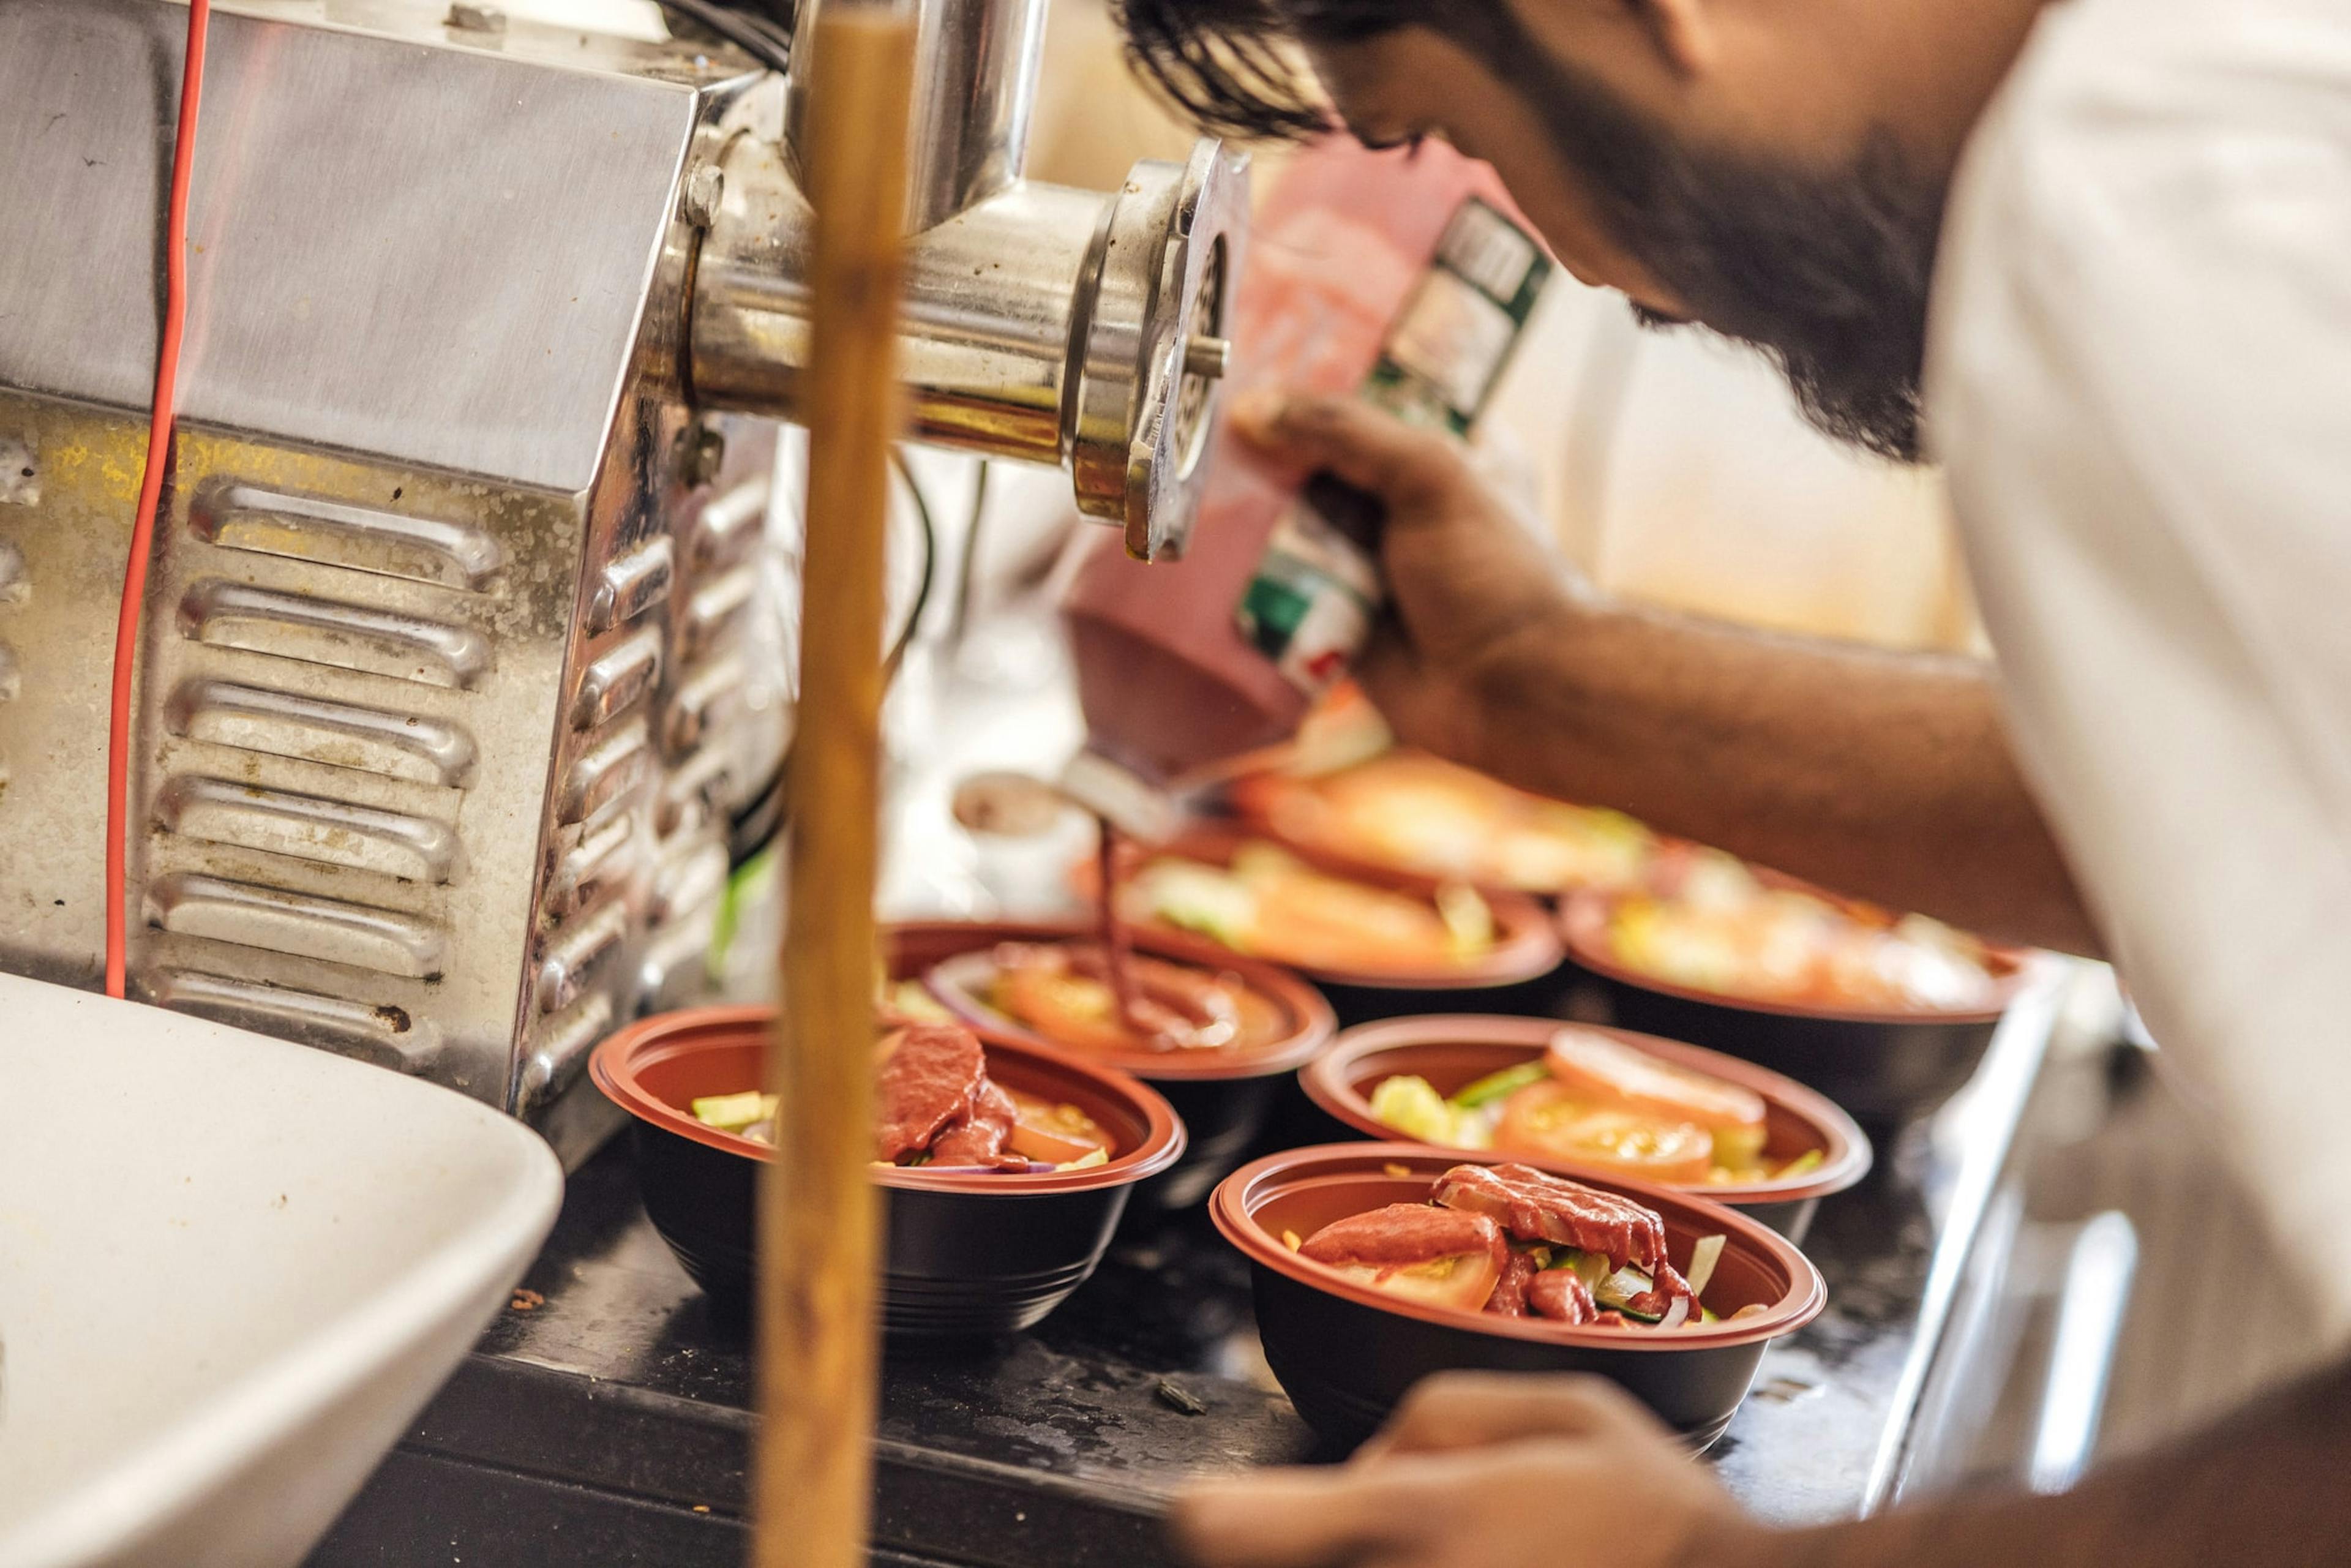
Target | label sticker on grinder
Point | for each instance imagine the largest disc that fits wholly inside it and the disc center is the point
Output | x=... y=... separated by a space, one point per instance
x=1316 y=592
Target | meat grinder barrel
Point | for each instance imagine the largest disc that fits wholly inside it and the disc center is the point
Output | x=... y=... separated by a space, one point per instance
x=1041 y=323
x=974 y=88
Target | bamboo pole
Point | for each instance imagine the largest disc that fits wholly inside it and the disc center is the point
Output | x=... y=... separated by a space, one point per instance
x=820 y=1213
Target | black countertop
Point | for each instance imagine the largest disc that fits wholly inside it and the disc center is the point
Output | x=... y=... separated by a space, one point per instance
x=605 y=1416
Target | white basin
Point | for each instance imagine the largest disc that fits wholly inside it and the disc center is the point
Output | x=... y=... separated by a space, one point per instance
x=232 y=1270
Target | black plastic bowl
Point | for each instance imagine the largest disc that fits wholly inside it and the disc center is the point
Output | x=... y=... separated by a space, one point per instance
x=1223 y=1097
x=1346 y=1354
x=968 y=1253
x=1454 y=1052
x=1886 y=1067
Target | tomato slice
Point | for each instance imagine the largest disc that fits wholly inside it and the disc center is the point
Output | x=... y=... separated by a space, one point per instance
x=1549 y=1120
x=1463 y=1282
x=1604 y=1071
x=1073 y=1010
x=1055 y=1135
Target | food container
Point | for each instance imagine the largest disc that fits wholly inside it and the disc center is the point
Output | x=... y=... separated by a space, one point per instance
x=1886 y=1067
x=1222 y=1096
x=1454 y=1052
x=1345 y=1354
x=1605 y=851
x=1519 y=973
x=968 y=1252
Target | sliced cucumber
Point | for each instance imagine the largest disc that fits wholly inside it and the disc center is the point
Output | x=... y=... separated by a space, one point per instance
x=733 y=1112
x=1496 y=1085
x=1617 y=1291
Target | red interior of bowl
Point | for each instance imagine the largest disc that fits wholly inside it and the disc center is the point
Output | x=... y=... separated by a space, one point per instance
x=1303 y=1190
x=1583 y=920
x=655 y=1070
x=1526 y=942
x=1453 y=1052
x=916 y=948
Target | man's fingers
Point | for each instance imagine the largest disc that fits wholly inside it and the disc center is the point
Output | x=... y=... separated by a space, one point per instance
x=1388 y=669
x=1467 y=1410
x=1360 y=444
x=1282 y=1519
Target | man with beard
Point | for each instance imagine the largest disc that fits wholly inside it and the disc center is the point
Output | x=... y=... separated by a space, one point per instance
x=2089 y=254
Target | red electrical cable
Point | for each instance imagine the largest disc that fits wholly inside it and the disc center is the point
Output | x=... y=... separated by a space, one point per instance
x=151 y=493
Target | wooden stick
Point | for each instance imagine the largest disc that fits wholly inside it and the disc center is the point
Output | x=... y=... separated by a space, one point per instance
x=819 y=1212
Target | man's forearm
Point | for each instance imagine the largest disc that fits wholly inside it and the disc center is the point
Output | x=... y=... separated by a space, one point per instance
x=2266 y=1486
x=1884 y=775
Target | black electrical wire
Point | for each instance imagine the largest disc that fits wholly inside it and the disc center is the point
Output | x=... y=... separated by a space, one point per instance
x=968 y=572
x=930 y=566
x=755 y=826
x=764 y=35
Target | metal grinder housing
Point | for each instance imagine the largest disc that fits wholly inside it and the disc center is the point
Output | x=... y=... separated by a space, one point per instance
x=444 y=705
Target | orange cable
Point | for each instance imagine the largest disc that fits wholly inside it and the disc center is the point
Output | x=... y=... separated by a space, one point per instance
x=151 y=492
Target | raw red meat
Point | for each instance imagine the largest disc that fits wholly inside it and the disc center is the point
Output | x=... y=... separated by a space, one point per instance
x=976 y=1137
x=1402 y=1235
x=928 y=1078
x=1560 y=1295
x=1533 y=1206
x=1511 y=1291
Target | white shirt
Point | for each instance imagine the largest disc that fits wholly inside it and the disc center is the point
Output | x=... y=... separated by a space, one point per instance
x=2139 y=378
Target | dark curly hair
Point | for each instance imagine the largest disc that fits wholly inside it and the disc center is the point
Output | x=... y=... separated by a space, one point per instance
x=1230 y=64
x=1824 y=269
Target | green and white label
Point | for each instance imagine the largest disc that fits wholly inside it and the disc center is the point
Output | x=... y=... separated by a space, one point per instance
x=1317 y=590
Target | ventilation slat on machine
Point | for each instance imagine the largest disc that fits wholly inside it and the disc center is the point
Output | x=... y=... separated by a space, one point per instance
x=310 y=827
x=617 y=677
x=327 y=631
x=414 y=747
x=382 y=1032
x=334 y=533
x=606 y=773
x=572 y=955
x=302 y=924
x=631 y=584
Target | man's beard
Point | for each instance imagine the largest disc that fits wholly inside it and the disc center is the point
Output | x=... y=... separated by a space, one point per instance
x=1827 y=272
x=1828 y=276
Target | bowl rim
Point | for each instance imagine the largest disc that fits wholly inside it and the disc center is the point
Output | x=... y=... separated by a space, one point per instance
x=1528 y=945
x=1578 y=929
x=1846 y=1151
x=1315 y=1023
x=617 y=1061
x=1231 y=1209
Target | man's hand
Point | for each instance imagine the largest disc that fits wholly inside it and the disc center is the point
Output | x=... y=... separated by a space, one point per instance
x=1467 y=579
x=1483 y=1472
x=1886 y=775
